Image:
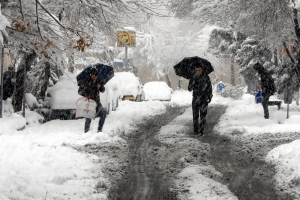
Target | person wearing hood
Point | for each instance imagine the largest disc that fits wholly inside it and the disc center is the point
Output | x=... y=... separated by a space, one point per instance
x=202 y=95
x=90 y=89
x=8 y=83
x=267 y=86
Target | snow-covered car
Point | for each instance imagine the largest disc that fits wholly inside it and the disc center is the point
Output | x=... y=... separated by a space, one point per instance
x=157 y=90
x=112 y=95
x=64 y=95
x=131 y=86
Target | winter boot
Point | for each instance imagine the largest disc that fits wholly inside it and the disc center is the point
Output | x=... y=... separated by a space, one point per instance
x=200 y=134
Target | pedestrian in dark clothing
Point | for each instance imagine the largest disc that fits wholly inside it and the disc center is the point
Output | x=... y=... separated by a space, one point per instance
x=202 y=95
x=90 y=89
x=267 y=85
x=8 y=83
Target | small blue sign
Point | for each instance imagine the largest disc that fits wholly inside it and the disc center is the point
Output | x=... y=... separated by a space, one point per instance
x=220 y=87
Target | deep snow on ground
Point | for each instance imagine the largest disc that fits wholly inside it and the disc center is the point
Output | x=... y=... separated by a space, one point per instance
x=41 y=161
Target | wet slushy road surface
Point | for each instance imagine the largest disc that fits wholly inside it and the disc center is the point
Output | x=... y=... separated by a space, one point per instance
x=146 y=175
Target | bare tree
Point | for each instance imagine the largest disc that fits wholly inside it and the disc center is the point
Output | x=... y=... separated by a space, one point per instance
x=53 y=29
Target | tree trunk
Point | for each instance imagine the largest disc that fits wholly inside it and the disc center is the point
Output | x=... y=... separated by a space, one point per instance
x=232 y=70
x=46 y=81
x=168 y=80
x=297 y=31
x=36 y=88
x=71 y=63
x=179 y=83
x=26 y=62
x=251 y=84
x=297 y=95
x=58 y=71
x=275 y=57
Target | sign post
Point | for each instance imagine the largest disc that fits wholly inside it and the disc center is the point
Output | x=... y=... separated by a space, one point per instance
x=288 y=95
x=126 y=39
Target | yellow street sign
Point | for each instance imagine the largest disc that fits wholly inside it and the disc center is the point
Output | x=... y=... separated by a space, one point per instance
x=126 y=39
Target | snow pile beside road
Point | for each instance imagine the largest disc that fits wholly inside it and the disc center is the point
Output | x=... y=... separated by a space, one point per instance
x=287 y=160
x=196 y=183
x=13 y=122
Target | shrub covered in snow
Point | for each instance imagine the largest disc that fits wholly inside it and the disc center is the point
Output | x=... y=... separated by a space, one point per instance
x=235 y=92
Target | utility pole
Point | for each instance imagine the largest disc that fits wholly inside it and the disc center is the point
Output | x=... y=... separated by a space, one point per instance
x=24 y=77
x=126 y=59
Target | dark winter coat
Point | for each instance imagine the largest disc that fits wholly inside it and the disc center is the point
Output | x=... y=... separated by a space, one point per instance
x=266 y=80
x=8 y=84
x=201 y=86
x=89 y=88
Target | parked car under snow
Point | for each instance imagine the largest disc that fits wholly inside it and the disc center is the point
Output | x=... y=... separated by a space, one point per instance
x=64 y=95
x=157 y=90
x=131 y=86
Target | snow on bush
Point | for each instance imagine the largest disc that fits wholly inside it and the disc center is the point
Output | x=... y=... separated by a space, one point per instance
x=12 y=122
x=8 y=108
x=32 y=102
x=233 y=92
x=64 y=93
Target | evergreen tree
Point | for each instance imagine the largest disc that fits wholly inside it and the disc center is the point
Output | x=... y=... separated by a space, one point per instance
x=250 y=52
x=226 y=41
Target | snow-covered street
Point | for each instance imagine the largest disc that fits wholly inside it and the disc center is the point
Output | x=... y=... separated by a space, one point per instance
x=149 y=100
x=47 y=161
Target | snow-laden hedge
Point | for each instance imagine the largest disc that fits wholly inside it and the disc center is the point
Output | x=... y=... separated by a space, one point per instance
x=234 y=92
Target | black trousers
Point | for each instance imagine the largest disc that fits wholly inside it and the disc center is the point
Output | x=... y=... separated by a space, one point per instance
x=199 y=108
x=266 y=102
x=100 y=112
x=7 y=92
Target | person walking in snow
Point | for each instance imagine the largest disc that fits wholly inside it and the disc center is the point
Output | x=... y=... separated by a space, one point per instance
x=202 y=95
x=90 y=89
x=267 y=86
x=8 y=83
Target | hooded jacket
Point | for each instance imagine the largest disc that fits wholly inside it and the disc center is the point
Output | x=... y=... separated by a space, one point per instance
x=267 y=82
x=88 y=88
x=201 y=86
x=7 y=79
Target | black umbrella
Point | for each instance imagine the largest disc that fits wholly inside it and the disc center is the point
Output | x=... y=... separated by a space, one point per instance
x=186 y=67
x=105 y=73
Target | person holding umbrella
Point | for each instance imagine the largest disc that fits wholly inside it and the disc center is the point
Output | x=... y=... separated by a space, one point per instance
x=90 y=89
x=196 y=69
x=202 y=94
